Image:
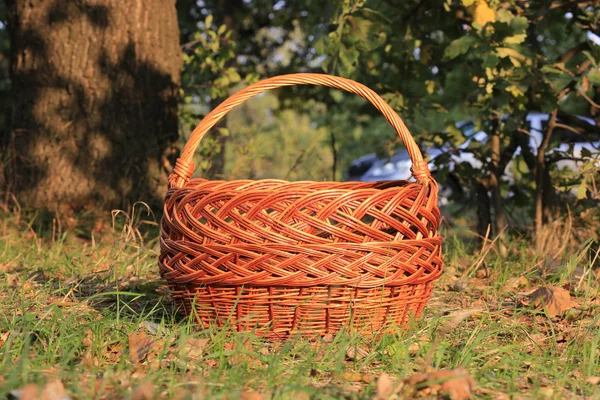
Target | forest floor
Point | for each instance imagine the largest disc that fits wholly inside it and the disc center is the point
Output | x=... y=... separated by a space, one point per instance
x=89 y=318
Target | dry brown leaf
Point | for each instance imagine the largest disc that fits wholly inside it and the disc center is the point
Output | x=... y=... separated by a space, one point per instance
x=29 y=392
x=455 y=383
x=89 y=338
x=139 y=346
x=593 y=380
x=385 y=387
x=355 y=353
x=194 y=348
x=555 y=300
x=54 y=390
x=145 y=391
x=4 y=338
x=251 y=395
x=238 y=358
x=356 y=377
x=413 y=348
x=328 y=338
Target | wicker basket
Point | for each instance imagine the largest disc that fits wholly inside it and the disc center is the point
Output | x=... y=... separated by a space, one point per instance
x=282 y=258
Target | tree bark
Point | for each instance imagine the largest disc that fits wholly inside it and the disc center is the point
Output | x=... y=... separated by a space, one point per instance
x=95 y=89
x=542 y=187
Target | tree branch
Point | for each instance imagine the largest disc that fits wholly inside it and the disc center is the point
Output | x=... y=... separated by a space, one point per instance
x=588 y=99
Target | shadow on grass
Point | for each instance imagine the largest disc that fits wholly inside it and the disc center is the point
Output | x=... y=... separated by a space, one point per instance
x=143 y=299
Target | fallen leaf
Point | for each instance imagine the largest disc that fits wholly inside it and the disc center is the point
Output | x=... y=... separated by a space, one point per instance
x=355 y=353
x=455 y=383
x=328 y=338
x=194 y=348
x=515 y=283
x=251 y=395
x=114 y=352
x=54 y=390
x=29 y=392
x=139 y=346
x=241 y=355
x=356 y=377
x=88 y=339
x=413 y=348
x=482 y=273
x=4 y=338
x=459 y=286
x=593 y=380
x=264 y=351
x=546 y=393
x=145 y=391
x=555 y=300
x=385 y=387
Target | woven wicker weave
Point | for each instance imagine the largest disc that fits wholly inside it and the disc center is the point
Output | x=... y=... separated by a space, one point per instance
x=310 y=258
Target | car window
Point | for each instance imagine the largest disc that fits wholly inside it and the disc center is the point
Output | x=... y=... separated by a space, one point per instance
x=468 y=129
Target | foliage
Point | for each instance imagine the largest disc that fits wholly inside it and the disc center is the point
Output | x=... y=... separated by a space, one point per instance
x=492 y=62
x=207 y=74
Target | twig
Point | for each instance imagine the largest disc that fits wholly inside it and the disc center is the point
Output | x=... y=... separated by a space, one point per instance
x=588 y=99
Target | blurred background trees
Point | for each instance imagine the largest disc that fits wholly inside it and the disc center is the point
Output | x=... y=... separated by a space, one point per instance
x=436 y=62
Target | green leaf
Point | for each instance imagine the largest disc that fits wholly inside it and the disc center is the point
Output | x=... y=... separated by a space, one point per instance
x=337 y=95
x=348 y=59
x=252 y=77
x=585 y=153
x=548 y=69
x=459 y=46
x=222 y=29
x=375 y=15
x=223 y=131
x=594 y=76
x=590 y=57
x=519 y=24
x=233 y=75
x=368 y=34
x=504 y=15
x=582 y=191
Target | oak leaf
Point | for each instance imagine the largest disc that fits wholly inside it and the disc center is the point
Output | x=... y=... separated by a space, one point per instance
x=555 y=300
x=139 y=346
x=457 y=384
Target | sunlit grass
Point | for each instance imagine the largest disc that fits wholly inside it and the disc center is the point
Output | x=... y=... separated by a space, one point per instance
x=68 y=306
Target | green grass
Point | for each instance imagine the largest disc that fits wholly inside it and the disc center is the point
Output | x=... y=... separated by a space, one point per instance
x=68 y=306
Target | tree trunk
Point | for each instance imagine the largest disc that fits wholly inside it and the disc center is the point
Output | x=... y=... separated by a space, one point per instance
x=542 y=184
x=95 y=90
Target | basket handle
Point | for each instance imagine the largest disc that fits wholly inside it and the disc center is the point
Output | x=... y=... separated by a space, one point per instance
x=184 y=168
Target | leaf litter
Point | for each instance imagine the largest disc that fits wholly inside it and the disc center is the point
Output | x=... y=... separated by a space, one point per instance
x=555 y=300
x=455 y=384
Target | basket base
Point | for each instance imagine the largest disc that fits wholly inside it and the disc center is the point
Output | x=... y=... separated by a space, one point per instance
x=280 y=312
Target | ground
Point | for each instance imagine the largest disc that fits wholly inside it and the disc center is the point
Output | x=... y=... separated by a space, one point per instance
x=85 y=313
